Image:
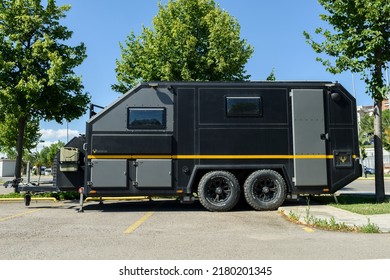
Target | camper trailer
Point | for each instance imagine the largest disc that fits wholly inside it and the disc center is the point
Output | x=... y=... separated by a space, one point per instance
x=217 y=142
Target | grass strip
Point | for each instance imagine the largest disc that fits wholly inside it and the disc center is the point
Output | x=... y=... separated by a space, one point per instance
x=359 y=204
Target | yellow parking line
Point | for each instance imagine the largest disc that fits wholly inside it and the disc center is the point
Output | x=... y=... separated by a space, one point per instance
x=18 y=215
x=308 y=229
x=143 y=219
x=138 y=223
x=27 y=212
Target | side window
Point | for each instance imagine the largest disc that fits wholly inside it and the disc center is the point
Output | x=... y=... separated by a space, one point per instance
x=146 y=118
x=244 y=107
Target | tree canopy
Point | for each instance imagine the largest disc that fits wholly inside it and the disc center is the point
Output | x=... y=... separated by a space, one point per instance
x=190 y=40
x=359 y=41
x=37 y=78
x=366 y=131
x=271 y=76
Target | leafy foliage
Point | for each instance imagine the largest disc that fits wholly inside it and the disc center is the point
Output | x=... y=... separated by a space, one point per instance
x=37 y=78
x=360 y=40
x=366 y=132
x=190 y=40
x=47 y=154
x=271 y=76
x=9 y=135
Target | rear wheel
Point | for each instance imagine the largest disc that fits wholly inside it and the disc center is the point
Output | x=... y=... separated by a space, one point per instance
x=219 y=191
x=265 y=190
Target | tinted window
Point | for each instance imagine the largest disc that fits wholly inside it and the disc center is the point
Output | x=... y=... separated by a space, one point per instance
x=146 y=118
x=243 y=106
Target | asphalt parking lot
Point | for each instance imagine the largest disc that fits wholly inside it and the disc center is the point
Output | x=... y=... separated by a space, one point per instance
x=166 y=229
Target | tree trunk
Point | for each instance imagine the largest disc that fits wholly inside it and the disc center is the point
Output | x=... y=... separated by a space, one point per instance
x=19 y=148
x=379 y=177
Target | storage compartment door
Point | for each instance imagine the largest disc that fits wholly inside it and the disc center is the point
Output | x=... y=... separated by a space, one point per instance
x=154 y=173
x=109 y=173
x=309 y=137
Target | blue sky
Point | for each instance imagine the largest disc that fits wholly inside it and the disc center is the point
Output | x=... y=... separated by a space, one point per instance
x=273 y=28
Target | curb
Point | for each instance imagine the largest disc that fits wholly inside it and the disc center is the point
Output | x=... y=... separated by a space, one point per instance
x=32 y=198
x=372 y=178
x=340 y=216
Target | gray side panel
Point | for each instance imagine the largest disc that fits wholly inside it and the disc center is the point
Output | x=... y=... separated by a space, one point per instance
x=154 y=173
x=308 y=125
x=109 y=173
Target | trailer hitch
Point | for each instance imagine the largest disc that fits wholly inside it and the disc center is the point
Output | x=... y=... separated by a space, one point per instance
x=13 y=184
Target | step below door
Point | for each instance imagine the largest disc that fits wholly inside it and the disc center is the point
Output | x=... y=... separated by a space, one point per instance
x=309 y=137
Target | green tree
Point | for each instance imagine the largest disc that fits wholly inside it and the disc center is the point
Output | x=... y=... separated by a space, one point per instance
x=386 y=129
x=190 y=40
x=9 y=135
x=366 y=131
x=37 y=78
x=359 y=41
x=271 y=76
x=44 y=157
x=52 y=152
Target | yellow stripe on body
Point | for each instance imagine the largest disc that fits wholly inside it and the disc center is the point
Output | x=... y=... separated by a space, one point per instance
x=211 y=156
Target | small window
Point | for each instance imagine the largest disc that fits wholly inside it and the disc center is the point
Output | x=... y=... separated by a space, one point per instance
x=146 y=118
x=243 y=107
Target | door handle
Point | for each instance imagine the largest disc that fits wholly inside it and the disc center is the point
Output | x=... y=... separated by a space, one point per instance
x=324 y=136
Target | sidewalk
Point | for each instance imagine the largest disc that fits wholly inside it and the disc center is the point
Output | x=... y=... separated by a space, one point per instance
x=341 y=216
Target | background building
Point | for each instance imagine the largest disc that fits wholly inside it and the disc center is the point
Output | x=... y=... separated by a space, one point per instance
x=7 y=167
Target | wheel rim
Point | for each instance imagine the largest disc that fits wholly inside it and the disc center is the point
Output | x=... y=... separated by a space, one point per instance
x=218 y=190
x=265 y=189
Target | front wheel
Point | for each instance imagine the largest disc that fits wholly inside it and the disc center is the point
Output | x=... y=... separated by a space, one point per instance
x=219 y=191
x=265 y=190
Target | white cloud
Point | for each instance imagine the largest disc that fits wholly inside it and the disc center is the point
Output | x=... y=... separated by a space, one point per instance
x=52 y=136
x=41 y=145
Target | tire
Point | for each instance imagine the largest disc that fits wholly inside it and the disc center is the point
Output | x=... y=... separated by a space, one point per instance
x=219 y=191
x=265 y=190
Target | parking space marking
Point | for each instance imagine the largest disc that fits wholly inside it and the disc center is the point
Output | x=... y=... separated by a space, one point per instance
x=141 y=220
x=19 y=215
x=308 y=229
x=26 y=213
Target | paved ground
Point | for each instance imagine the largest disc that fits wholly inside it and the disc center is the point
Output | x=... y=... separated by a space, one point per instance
x=362 y=186
x=141 y=230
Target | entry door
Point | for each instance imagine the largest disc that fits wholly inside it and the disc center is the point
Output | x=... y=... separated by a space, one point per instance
x=309 y=137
